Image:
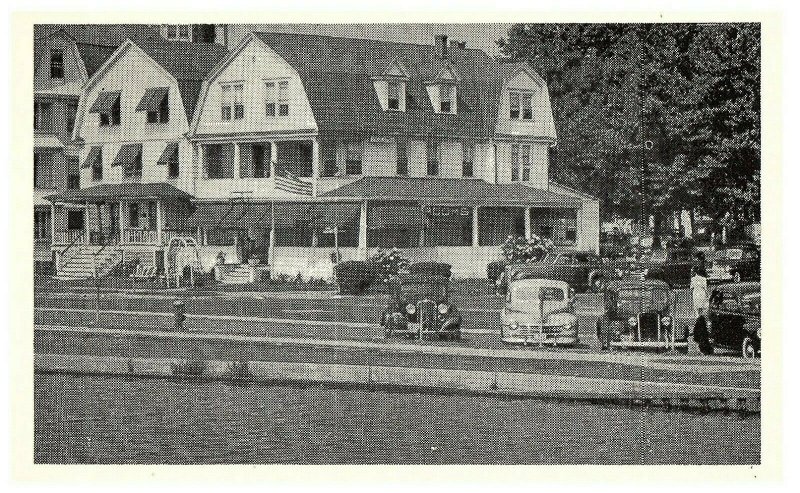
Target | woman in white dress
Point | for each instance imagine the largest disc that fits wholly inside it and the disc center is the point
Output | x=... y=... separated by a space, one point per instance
x=699 y=287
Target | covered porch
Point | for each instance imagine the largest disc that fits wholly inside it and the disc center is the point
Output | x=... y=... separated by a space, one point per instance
x=137 y=214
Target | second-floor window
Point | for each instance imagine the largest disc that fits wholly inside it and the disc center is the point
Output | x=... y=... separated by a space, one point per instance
x=42 y=116
x=73 y=173
x=402 y=158
x=277 y=98
x=394 y=96
x=520 y=162
x=521 y=104
x=72 y=110
x=433 y=158
x=232 y=101
x=107 y=105
x=355 y=153
x=468 y=160
x=327 y=150
x=42 y=170
x=56 y=64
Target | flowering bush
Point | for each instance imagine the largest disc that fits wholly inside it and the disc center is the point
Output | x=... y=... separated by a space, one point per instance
x=518 y=249
x=389 y=263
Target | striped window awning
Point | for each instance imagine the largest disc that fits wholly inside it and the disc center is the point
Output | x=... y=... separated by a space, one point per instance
x=105 y=101
x=170 y=152
x=94 y=157
x=151 y=101
x=128 y=154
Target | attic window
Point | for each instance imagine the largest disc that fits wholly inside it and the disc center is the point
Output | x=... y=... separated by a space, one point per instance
x=232 y=102
x=394 y=96
x=178 y=32
x=156 y=103
x=56 y=64
x=277 y=98
x=446 y=96
x=521 y=104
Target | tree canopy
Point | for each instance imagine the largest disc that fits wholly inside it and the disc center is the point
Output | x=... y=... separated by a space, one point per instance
x=690 y=90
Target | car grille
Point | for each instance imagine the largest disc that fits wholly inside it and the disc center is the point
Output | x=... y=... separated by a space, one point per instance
x=529 y=330
x=427 y=314
x=648 y=326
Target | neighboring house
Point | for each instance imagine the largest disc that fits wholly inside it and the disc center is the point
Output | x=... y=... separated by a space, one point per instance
x=299 y=145
x=135 y=160
x=65 y=56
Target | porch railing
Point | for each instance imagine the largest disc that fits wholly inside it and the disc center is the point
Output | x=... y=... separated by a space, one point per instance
x=68 y=237
x=168 y=234
x=140 y=237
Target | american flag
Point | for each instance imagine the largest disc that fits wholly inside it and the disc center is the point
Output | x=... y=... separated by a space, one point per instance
x=290 y=183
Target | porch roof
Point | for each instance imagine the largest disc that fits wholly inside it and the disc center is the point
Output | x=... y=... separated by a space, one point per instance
x=117 y=191
x=452 y=190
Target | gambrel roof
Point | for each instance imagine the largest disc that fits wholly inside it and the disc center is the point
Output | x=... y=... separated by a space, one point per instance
x=338 y=73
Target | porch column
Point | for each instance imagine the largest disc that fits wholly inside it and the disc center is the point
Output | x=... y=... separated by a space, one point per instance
x=314 y=166
x=86 y=223
x=159 y=223
x=475 y=221
x=122 y=205
x=527 y=222
x=362 y=231
x=237 y=154
x=273 y=158
x=52 y=224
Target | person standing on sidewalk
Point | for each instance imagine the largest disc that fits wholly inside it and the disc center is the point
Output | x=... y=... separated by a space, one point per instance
x=699 y=288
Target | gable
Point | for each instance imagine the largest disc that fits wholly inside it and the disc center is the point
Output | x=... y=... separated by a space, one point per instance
x=396 y=69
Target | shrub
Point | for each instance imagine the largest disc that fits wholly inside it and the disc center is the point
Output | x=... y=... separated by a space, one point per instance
x=431 y=269
x=518 y=249
x=388 y=263
x=353 y=276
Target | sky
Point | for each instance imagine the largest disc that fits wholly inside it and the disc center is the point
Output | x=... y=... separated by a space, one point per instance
x=481 y=36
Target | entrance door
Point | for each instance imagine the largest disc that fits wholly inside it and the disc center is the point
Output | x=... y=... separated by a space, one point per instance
x=75 y=219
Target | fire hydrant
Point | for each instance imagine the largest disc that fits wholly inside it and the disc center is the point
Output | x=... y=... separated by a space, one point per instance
x=179 y=310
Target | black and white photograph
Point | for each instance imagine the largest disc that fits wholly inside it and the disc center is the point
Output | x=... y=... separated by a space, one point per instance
x=527 y=243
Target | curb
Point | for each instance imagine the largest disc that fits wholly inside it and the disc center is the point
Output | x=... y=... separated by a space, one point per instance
x=666 y=395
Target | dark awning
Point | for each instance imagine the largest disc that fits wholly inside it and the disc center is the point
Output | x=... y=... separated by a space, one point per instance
x=335 y=214
x=95 y=156
x=169 y=151
x=127 y=155
x=121 y=191
x=455 y=191
x=151 y=101
x=104 y=102
x=219 y=215
x=394 y=215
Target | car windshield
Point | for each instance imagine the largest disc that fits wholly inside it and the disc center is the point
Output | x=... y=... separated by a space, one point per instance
x=529 y=294
x=730 y=253
x=417 y=291
x=633 y=301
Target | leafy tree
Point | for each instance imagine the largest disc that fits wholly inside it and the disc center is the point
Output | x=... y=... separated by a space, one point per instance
x=691 y=90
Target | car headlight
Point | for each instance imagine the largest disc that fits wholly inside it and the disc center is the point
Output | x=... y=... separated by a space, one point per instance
x=566 y=327
x=411 y=308
x=632 y=321
x=666 y=321
x=443 y=308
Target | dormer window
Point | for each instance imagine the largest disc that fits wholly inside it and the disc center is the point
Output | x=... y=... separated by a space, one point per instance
x=521 y=105
x=446 y=96
x=394 y=96
x=178 y=32
x=56 y=64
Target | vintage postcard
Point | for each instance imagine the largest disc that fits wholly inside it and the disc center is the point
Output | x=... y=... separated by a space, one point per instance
x=507 y=243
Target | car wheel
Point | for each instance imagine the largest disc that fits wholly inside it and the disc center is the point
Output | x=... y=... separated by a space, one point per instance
x=748 y=348
x=737 y=277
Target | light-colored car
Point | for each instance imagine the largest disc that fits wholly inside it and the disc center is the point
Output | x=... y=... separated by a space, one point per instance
x=539 y=312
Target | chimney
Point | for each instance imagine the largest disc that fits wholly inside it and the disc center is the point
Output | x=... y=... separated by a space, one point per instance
x=441 y=45
x=457 y=45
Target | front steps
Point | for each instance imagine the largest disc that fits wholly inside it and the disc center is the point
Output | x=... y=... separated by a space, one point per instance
x=81 y=265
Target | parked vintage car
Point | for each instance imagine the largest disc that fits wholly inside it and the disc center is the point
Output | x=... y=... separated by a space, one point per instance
x=582 y=270
x=539 y=312
x=736 y=263
x=639 y=314
x=671 y=265
x=734 y=318
x=419 y=307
